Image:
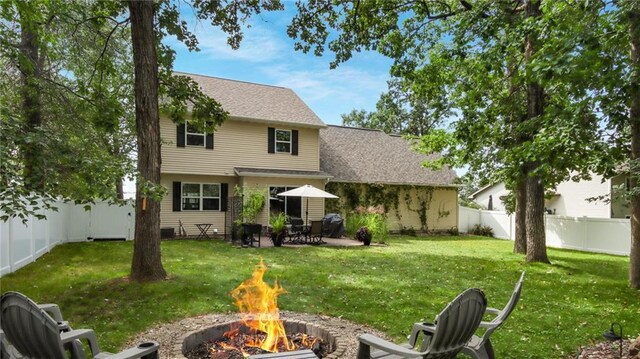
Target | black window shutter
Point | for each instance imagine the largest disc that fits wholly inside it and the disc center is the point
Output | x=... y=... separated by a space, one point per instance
x=271 y=146
x=294 y=142
x=177 y=196
x=209 y=141
x=181 y=133
x=224 y=194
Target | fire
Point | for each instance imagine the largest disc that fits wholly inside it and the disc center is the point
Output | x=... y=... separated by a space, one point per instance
x=258 y=303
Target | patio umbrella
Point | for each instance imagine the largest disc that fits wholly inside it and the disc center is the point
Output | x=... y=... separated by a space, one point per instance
x=307 y=191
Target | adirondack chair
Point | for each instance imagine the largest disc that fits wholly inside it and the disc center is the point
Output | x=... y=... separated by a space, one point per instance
x=453 y=328
x=34 y=334
x=8 y=351
x=480 y=346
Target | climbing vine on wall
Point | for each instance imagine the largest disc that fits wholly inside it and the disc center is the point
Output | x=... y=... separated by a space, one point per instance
x=423 y=198
x=353 y=195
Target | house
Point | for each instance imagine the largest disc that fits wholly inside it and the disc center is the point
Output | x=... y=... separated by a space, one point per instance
x=569 y=198
x=369 y=167
x=270 y=143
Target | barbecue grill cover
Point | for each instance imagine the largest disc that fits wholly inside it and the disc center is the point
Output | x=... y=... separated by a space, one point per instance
x=332 y=225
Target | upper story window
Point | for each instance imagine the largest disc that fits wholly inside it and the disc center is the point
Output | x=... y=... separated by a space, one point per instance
x=193 y=137
x=283 y=141
x=200 y=197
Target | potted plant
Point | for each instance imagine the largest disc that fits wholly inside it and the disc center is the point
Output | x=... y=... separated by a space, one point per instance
x=278 y=224
x=364 y=236
x=253 y=204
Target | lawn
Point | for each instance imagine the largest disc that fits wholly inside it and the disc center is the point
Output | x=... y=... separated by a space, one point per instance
x=563 y=305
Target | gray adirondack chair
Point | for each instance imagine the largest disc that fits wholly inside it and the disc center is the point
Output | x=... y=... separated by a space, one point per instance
x=480 y=346
x=34 y=334
x=453 y=328
x=9 y=352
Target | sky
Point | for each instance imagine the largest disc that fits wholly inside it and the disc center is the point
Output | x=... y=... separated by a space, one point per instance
x=266 y=56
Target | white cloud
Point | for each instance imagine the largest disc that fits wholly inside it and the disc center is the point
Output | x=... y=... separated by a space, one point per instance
x=259 y=44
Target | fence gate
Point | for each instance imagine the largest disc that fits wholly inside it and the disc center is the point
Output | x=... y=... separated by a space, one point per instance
x=233 y=213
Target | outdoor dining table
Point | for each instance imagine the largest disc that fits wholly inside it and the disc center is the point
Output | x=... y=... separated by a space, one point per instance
x=203 y=227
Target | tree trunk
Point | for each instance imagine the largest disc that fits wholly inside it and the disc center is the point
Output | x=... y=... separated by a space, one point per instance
x=520 y=244
x=536 y=242
x=634 y=120
x=119 y=188
x=31 y=72
x=146 y=264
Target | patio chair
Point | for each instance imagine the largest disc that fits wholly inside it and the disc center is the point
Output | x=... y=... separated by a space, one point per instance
x=314 y=235
x=8 y=351
x=34 y=334
x=480 y=346
x=297 y=229
x=452 y=329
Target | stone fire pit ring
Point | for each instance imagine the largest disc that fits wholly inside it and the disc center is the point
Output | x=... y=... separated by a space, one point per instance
x=191 y=340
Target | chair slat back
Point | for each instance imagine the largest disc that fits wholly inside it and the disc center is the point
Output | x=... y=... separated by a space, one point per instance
x=316 y=228
x=28 y=328
x=456 y=324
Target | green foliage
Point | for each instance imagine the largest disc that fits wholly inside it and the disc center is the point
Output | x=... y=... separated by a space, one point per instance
x=479 y=230
x=433 y=269
x=278 y=222
x=408 y=231
x=371 y=218
x=400 y=111
x=253 y=203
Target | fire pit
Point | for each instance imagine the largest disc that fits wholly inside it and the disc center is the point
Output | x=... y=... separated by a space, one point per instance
x=194 y=342
x=261 y=330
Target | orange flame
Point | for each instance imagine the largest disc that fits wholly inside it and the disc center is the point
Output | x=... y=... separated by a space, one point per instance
x=258 y=302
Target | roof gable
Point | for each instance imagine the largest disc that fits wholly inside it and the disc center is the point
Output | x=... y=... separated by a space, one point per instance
x=251 y=101
x=372 y=156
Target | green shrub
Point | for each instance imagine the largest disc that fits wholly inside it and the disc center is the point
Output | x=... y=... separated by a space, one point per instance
x=373 y=218
x=454 y=231
x=481 y=230
x=408 y=231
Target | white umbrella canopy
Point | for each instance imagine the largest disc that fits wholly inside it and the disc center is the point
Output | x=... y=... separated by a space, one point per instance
x=307 y=191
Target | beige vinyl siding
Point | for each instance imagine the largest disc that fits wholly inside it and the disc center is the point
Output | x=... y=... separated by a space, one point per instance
x=237 y=144
x=316 y=205
x=169 y=218
x=441 y=215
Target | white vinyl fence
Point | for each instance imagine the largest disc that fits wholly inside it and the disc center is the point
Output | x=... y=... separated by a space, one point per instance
x=601 y=235
x=21 y=244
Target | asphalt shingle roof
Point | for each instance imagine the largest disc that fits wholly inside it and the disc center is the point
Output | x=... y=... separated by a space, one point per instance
x=372 y=156
x=246 y=100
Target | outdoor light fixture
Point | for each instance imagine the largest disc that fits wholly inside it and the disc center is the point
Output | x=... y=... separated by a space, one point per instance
x=612 y=336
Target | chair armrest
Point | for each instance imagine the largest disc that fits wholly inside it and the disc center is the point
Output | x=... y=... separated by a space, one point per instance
x=77 y=334
x=493 y=311
x=143 y=350
x=488 y=325
x=53 y=310
x=373 y=341
x=427 y=328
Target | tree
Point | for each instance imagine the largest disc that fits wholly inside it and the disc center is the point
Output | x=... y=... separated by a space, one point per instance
x=507 y=126
x=401 y=110
x=54 y=123
x=152 y=70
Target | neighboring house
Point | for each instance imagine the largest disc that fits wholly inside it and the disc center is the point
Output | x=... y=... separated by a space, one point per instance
x=271 y=142
x=391 y=168
x=569 y=198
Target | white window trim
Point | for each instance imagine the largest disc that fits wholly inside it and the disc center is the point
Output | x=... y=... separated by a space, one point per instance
x=201 y=197
x=187 y=134
x=276 y=141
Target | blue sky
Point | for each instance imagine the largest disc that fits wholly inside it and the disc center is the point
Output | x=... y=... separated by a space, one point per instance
x=266 y=56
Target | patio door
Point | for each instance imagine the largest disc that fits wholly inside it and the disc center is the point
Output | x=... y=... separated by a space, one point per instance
x=291 y=206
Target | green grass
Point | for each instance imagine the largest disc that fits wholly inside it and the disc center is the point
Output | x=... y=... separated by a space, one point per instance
x=563 y=305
